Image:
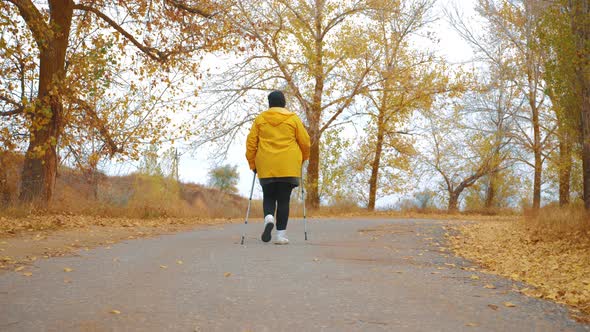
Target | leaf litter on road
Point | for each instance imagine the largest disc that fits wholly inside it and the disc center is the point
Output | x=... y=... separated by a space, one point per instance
x=554 y=265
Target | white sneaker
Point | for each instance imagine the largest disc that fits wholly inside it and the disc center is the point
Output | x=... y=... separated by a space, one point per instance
x=269 y=223
x=281 y=237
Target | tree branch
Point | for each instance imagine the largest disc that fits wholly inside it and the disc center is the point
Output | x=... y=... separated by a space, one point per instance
x=347 y=100
x=19 y=108
x=99 y=125
x=151 y=52
x=193 y=10
x=13 y=112
x=10 y=101
x=35 y=21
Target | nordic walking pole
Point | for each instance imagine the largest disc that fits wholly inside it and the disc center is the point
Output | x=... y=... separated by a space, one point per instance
x=303 y=198
x=248 y=211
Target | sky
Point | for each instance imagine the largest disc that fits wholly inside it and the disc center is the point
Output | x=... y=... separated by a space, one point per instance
x=195 y=167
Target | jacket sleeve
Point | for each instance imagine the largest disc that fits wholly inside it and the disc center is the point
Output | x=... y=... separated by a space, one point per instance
x=302 y=139
x=252 y=145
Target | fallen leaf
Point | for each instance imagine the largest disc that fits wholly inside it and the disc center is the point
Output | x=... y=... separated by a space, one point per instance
x=27 y=274
x=227 y=274
x=67 y=269
x=474 y=277
x=20 y=268
x=489 y=286
x=493 y=306
x=115 y=312
x=471 y=324
x=509 y=304
x=179 y=262
x=163 y=266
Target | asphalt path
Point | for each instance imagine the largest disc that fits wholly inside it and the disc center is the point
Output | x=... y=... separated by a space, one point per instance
x=352 y=275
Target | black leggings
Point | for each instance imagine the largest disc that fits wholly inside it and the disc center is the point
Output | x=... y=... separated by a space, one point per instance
x=276 y=195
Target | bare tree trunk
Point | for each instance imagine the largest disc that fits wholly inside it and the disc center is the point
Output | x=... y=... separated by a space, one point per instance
x=565 y=169
x=313 y=175
x=453 y=201
x=373 y=181
x=454 y=194
x=314 y=114
x=586 y=149
x=5 y=194
x=40 y=165
x=581 y=30
x=313 y=169
x=491 y=191
x=537 y=181
x=538 y=166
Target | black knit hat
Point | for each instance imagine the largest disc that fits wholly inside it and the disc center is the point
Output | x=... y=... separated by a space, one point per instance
x=276 y=99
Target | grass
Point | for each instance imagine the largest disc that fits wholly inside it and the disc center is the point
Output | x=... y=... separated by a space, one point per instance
x=553 y=220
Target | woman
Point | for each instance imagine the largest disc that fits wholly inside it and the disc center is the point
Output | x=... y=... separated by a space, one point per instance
x=277 y=146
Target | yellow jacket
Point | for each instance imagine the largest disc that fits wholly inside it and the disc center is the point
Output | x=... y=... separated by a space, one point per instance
x=277 y=144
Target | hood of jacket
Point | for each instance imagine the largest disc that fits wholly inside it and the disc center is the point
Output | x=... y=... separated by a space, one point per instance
x=276 y=115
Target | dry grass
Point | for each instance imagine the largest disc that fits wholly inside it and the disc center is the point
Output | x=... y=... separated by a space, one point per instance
x=554 y=220
x=134 y=196
x=327 y=212
x=543 y=252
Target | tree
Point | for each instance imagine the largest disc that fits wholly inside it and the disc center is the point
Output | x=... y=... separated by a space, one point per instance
x=557 y=39
x=461 y=151
x=407 y=79
x=512 y=26
x=166 y=33
x=225 y=178
x=507 y=186
x=580 y=26
x=315 y=49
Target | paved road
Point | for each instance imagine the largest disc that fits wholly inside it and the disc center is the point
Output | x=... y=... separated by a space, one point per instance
x=391 y=277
